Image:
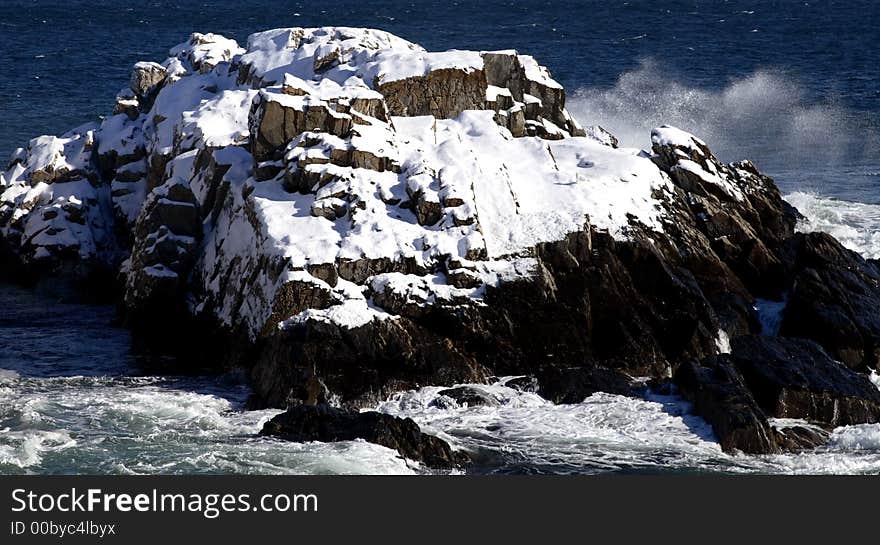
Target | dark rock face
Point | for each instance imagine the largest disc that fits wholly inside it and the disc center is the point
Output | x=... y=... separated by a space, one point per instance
x=800 y=437
x=794 y=378
x=781 y=378
x=574 y=384
x=720 y=396
x=361 y=365
x=324 y=423
x=834 y=300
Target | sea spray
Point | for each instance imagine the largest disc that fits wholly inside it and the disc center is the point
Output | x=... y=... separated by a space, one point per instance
x=766 y=116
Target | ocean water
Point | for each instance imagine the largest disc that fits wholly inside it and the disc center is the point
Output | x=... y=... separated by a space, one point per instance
x=792 y=85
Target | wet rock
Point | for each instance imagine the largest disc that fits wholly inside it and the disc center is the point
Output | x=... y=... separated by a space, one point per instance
x=359 y=366
x=574 y=384
x=795 y=378
x=526 y=384
x=470 y=396
x=834 y=299
x=794 y=436
x=720 y=395
x=324 y=423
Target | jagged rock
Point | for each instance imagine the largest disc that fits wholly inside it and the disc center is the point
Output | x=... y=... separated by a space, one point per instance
x=720 y=395
x=794 y=378
x=530 y=85
x=276 y=118
x=780 y=378
x=599 y=134
x=738 y=209
x=793 y=436
x=146 y=79
x=834 y=300
x=324 y=423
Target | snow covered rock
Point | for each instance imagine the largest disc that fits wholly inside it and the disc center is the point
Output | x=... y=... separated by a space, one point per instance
x=53 y=213
x=739 y=209
x=348 y=215
x=146 y=78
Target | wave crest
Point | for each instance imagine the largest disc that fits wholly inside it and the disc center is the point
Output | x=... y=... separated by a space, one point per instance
x=766 y=116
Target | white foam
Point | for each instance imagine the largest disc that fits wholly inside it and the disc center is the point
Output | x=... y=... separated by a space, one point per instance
x=875 y=378
x=855 y=225
x=160 y=425
x=27 y=448
x=614 y=433
x=862 y=437
x=604 y=433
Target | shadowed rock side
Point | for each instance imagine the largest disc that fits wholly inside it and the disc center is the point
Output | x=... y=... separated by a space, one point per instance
x=328 y=424
x=348 y=215
x=767 y=377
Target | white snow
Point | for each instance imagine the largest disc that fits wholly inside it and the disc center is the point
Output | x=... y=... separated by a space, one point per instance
x=673 y=136
x=722 y=342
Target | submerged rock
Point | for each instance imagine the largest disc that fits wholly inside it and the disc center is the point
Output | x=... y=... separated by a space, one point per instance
x=324 y=423
x=470 y=396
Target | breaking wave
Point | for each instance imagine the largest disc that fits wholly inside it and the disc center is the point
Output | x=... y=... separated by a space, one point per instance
x=824 y=155
x=856 y=225
x=610 y=433
x=766 y=116
x=148 y=425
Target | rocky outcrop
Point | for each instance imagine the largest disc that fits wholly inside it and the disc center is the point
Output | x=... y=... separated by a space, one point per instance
x=574 y=384
x=720 y=395
x=794 y=378
x=776 y=378
x=348 y=215
x=834 y=299
x=328 y=424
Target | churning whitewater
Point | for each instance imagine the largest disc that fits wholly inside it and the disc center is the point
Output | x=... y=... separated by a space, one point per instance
x=77 y=405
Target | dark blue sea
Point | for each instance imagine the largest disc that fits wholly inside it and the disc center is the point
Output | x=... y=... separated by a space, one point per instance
x=792 y=85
